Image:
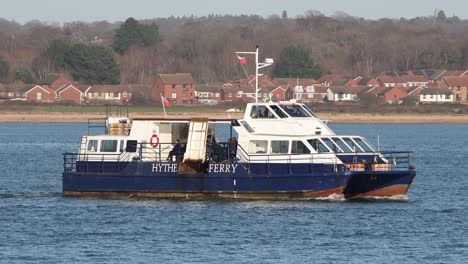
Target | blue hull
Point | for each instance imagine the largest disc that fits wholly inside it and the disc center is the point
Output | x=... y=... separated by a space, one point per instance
x=230 y=180
x=378 y=184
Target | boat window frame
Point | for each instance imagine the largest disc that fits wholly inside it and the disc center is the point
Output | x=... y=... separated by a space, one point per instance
x=297 y=106
x=102 y=145
x=249 y=148
x=369 y=150
x=258 y=112
x=353 y=150
x=280 y=110
x=305 y=146
x=280 y=146
x=316 y=150
x=246 y=125
x=308 y=110
x=131 y=146
x=89 y=147
x=336 y=146
x=349 y=150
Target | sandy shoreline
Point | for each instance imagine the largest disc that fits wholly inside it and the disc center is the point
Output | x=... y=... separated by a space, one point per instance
x=337 y=118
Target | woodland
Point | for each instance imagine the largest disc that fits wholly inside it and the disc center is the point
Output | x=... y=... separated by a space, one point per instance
x=135 y=51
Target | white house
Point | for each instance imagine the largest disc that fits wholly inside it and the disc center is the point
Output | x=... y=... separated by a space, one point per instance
x=436 y=95
x=340 y=94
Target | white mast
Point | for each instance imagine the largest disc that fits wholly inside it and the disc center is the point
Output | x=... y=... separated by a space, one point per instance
x=258 y=66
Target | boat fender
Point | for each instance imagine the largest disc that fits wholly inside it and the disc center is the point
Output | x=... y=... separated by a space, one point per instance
x=154 y=141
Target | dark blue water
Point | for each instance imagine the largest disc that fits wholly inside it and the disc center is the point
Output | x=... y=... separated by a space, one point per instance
x=38 y=225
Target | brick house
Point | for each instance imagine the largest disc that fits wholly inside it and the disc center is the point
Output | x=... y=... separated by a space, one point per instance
x=57 y=81
x=278 y=94
x=72 y=93
x=114 y=94
x=459 y=87
x=393 y=95
x=37 y=93
x=178 y=88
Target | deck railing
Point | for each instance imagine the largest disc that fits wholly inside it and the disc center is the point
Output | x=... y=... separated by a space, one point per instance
x=221 y=152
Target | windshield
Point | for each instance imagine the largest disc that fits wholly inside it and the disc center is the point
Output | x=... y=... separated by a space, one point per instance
x=341 y=144
x=295 y=111
x=363 y=144
x=309 y=110
x=354 y=147
x=331 y=145
x=318 y=146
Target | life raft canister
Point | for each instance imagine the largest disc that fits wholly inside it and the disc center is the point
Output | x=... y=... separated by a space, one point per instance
x=154 y=141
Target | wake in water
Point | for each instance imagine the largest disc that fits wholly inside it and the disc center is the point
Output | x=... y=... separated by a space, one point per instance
x=29 y=195
x=394 y=198
x=331 y=198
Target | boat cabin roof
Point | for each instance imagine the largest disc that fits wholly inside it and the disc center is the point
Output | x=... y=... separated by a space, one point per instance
x=183 y=120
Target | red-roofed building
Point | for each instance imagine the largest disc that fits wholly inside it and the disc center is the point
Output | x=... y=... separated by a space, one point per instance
x=115 y=94
x=72 y=93
x=394 y=95
x=55 y=81
x=178 y=88
x=38 y=93
x=459 y=87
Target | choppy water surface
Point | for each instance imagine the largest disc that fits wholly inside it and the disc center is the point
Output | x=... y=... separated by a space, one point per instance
x=38 y=225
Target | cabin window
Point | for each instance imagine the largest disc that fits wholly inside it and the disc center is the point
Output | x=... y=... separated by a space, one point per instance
x=318 y=146
x=341 y=144
x=298 y=147
x=331 y=145
x=258 y=146
x=92 y=145
x=354 y=147
x=131 y=146
x=279 y=146
x=247 y=126
x=278 y=111
x=363 y=145
x=308 y=110
x=261 y=111
x=295 y=111
x=108 y=146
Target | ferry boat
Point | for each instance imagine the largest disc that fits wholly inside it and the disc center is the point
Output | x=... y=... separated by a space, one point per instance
x=278 y=150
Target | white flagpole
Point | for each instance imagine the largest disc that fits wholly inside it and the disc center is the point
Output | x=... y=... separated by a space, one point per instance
x=164 y=107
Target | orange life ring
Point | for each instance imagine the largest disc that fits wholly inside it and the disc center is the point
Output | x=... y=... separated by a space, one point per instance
x=154 y=141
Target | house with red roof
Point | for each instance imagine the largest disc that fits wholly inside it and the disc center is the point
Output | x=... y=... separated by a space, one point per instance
x=37 y=93
x=108 y=93
x=56 y=81
x=393 y=95
x=178 y=88
x=340 y=93
x=436 y=95
x=72 y=93
x=459 y=87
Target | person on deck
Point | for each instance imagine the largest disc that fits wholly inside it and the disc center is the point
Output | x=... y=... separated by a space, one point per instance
x=177 y=151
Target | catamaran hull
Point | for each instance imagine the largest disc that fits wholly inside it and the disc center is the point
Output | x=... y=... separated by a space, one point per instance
x=378 y=184
x=220 y=181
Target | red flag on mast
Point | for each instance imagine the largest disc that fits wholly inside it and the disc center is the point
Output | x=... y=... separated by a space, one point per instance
x=165 y=102
x=241 y=60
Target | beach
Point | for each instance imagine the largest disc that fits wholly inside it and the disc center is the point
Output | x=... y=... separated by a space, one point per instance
x=336 y=118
